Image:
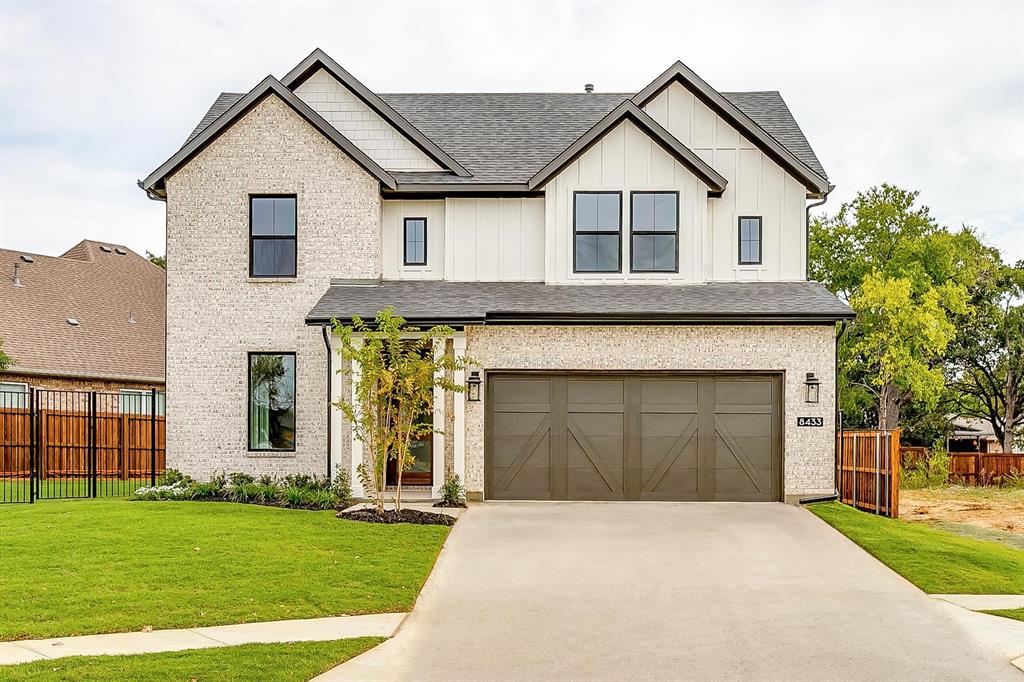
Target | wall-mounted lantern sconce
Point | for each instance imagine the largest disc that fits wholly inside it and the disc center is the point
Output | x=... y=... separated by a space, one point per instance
x=813 y=384
x=473 y=387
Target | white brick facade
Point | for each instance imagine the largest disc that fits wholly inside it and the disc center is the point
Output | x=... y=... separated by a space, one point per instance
x=808 y=452
x=216 y=314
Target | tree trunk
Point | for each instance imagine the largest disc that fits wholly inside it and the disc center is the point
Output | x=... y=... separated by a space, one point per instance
x=888 y=406
x=1009 y=414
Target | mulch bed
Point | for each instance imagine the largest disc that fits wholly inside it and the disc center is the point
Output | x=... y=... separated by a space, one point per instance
x=404 y=516
x=445 y=505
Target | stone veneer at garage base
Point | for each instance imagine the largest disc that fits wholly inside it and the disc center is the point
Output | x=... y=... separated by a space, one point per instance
x=809 y=464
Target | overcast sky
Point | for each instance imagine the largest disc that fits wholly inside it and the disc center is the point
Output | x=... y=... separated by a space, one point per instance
x=93 y=97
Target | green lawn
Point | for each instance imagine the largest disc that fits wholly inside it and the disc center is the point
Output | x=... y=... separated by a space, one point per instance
x=1016 y=614
x=112 y=565
x=936 y=561
x=265 y=662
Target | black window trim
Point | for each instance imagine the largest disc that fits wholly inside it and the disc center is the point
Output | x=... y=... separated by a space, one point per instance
x=405 y=242
x=633 y=232
x=576 y=232
x=739 y=240
x=295 y=237
x=248 y=400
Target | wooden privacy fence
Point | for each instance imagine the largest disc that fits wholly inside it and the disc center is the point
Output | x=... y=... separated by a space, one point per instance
x=868 y=470
x=978 y=468
x=79 y=444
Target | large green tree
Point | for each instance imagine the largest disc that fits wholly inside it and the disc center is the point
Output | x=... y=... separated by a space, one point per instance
x=910 y=282
x=987 y=358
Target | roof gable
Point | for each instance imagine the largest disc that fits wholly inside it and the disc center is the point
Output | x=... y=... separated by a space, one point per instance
x=631 y=112
x=814 y=182
x=269 y=86
x=319 y=59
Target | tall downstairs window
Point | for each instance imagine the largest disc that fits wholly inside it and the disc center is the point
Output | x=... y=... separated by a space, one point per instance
x=272 y=401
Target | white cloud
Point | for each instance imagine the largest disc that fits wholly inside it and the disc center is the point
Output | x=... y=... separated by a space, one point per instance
x=93 y=96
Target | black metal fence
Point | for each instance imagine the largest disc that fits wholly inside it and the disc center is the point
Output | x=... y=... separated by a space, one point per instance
x=77 y=444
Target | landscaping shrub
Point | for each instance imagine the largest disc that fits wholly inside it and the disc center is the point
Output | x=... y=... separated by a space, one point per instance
x=452 y=492
x=172 y=476
x=342 y=488
x=295 y=491
x=932 y=473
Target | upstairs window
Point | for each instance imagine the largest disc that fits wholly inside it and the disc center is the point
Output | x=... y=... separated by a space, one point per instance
x=272 y=245
x=415 y=237
x=750 y=240
x=654 y=224
x=597 y=231
x=272 y=401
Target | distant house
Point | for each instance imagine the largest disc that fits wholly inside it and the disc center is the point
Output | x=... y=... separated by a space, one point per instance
x=91 y=319
x=971 y=434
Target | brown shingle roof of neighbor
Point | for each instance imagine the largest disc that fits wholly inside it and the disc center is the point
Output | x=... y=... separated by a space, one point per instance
x=118 y=299
x=508 y=137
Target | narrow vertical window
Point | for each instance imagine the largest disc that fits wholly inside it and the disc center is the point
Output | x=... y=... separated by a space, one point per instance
x=654 y=229
x=750 y=240
x=415 y=238
x=597 y=232
x=272 y=401
x=272 y=247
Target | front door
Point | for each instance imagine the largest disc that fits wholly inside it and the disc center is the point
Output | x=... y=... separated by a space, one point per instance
x=421 y=471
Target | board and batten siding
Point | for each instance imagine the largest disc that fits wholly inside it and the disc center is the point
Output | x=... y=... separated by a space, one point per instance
x=362 y=125
x=757 y=187
x=625 y=159
x=393 y=239
x=494 y=239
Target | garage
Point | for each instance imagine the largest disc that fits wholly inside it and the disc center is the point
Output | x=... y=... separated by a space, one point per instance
x=633 y=436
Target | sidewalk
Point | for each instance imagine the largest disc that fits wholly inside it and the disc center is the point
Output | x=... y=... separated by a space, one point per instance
x=312 y=629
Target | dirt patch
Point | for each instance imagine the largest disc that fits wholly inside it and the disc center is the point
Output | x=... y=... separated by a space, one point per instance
x=404 y=516
x=995 y=509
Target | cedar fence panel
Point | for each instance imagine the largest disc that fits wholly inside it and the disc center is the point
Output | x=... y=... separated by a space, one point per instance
x=978 y=468
x=868 y=470
x=64 y=439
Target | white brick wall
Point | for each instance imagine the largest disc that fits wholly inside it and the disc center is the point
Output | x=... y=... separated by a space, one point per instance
x=362 y=125
x=809 y=452
x=216 y=314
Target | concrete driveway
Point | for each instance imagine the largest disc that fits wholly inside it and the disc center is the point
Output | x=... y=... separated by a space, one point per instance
x=668 y=591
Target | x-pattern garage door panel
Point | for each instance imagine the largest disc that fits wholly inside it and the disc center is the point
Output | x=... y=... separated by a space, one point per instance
x=634 y=437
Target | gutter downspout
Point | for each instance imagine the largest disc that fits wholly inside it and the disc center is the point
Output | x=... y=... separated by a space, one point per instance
x=807 y=231
x=327 y=344
x=837 y=413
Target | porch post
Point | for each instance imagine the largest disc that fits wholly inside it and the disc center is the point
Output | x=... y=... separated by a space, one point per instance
x=357 y=445
x=437 y=466
x=459 y=463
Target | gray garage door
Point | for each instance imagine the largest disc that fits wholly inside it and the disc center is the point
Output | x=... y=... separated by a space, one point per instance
x=633 y=437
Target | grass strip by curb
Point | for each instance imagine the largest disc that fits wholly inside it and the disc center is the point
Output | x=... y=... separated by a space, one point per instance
x=288 y=662
x=936 y=561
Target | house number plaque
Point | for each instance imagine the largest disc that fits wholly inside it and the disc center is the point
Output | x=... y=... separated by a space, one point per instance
x=810 y=421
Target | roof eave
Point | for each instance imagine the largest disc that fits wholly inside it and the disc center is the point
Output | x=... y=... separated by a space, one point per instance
x=319 y=59
x=155 y=184
x=816 y=184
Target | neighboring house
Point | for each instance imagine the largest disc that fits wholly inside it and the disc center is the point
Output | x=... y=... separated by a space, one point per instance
x=91 y=319
x=627 y=270
x=971 y=434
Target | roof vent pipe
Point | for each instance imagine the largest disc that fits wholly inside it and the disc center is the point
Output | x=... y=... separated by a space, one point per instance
x=589 y=88
x=17 y=279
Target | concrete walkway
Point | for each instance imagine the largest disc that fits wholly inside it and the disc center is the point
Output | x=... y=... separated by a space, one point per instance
x=668 y=591
x=984 y=602
x=312 y=629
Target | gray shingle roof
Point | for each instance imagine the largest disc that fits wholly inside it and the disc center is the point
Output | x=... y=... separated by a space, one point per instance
x=498 y=302
x=508 y=137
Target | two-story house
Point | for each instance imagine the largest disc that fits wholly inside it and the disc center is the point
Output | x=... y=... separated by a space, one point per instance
x=628 y=271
